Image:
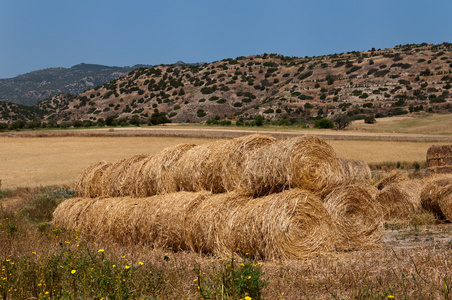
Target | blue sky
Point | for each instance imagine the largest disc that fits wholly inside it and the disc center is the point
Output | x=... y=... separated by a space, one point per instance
x=51 y=33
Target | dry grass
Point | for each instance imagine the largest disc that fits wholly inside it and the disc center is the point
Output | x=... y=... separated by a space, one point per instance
x=394 y=177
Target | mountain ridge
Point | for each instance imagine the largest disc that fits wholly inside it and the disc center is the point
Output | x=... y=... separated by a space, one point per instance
x=375 y=83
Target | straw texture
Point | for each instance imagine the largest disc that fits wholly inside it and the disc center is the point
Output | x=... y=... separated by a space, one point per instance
x=357 y=217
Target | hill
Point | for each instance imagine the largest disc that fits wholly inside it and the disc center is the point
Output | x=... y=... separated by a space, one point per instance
x=375 y=83
x=38 y=85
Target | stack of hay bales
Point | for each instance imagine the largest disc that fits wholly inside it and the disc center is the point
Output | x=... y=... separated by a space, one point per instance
x=439 y=159
x=274 y=199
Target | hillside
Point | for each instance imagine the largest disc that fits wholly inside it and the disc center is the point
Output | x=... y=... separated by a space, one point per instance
x=400 y=80
x=38 y=85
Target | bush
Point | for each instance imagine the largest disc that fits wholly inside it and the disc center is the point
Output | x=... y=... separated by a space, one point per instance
x=370 y=120
x=323 y=124
x=238 y=281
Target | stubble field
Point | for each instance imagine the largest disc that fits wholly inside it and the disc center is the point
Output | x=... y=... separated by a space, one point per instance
x=412 y=263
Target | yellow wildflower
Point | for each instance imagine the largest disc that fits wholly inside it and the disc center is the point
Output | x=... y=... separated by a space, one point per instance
x=127 y=267
x=100 y=250
x=140 y=263
x=242 y=264
x=73 y=271
x=390 y=296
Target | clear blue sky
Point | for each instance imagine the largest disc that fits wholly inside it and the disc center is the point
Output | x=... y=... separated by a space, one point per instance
x=51 y=33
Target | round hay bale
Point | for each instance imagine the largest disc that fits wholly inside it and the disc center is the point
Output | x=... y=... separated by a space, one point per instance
x=357 y=216
x=430 y=193
x=209 y=225
x=439 y=155
x=401 y=198
x=306 y=162
x=290 y=224
x=394 y=177
x=161 y=221
x=234 y=154
x=200 y=168
x=89 y=182
x=115 y=183
x=156 y=175
x=69 y=214
x=445 y=201
x=355 y=171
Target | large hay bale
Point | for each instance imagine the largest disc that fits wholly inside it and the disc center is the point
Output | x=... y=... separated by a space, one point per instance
x=355 y=171
x=218 y=166
x=70 y=214
x=115 y=179
x=234 y=154
x=200 y=169
x=89 y=182
x=439 y=155
x=430 y=193
x=357 y=216
x=210 y=223
x=290 y=224
x=400 y=198
x=306 y=162
x=394 y=177
x=157 y=174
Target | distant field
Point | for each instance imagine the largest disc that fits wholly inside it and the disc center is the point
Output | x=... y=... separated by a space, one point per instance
x=58 y=160
x=421 y=124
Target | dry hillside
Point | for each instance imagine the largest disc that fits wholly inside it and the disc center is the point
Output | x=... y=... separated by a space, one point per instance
x=376 y=83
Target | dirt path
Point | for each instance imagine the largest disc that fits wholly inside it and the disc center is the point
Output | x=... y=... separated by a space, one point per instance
x=208 y=132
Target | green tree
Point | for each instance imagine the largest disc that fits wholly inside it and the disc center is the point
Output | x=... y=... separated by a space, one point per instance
x=342 y=121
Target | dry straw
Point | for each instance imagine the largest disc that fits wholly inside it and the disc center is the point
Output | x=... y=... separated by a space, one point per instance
x=445 y=201
x=217 y=166
x=400 y=198
x=355 y=171
x=292 y=224
x=394 y=177
x=439 y=155
x=89 y=182
x=156 y=175
x=306 y=162
x=234 y=155
x=114 y=180
x=430 y=194
x=209 y=225
x=357 y=217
